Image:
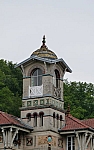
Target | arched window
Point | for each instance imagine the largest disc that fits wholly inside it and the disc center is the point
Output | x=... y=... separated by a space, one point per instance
x=35 y=119
x=60 y=121
x=57 y=79
x=54 y=119
x=28 y=116
x=41 y=114
x=36 y=77
x=57 y=120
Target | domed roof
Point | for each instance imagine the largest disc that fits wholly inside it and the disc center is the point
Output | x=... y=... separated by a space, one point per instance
x=44 y=51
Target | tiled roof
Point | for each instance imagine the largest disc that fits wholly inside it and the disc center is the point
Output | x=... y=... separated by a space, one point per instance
x=72 y=123
x=7 y=119
x=89 y=122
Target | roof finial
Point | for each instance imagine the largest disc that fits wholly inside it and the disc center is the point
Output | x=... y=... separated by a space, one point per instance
x=44 y=40
x=68 y=110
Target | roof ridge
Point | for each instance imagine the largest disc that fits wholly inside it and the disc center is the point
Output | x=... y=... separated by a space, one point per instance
x=87 y=119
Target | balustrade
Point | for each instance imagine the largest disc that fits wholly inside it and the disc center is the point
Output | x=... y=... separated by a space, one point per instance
x=35 y=91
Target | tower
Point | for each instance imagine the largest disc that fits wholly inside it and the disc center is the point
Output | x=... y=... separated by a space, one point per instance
x=42 y=103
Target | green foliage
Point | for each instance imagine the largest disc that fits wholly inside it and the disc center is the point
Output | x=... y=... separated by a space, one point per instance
x=10 y=88
x=80 y=97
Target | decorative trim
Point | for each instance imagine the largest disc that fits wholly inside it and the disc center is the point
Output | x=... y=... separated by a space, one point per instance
x=29 y=141
x=34 y=66
x=28 y=98
x=47 y=75
x=41 y=107
x=26 y=77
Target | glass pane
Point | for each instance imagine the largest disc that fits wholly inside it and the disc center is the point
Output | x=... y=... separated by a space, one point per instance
x=69 y=143
x=36 y=78
x=39 y=80
x=73 y=143
x=34 y=73
x=39 y=72
x=34 y=81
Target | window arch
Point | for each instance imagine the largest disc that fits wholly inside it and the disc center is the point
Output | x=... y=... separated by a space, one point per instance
x=35 y=119
x=28 y=116
x=41 y=114
x=36 y=77
x=57 y=78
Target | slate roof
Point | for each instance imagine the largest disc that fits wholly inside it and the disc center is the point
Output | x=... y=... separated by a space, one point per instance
x=7 y=119
x=50 y=61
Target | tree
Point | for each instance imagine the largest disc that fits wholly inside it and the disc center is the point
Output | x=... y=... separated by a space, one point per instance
x=80 y=97
x=10 y=88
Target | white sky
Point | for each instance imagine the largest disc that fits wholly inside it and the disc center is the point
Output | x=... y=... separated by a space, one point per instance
x=67 y=24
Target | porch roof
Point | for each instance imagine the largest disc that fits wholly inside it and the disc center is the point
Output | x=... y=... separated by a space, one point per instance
x=89 y=122
x=73 y=124
x=8 y=119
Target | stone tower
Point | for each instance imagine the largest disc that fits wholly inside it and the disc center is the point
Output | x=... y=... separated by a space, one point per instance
x=42 y=103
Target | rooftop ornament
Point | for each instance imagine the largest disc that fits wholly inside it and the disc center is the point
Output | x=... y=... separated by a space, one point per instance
x=44 y=41
x=44 y=52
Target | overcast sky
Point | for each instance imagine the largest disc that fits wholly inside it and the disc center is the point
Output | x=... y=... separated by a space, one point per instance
x=67 y=24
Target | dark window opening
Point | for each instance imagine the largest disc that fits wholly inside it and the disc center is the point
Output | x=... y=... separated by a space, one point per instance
x=41 y=118
x=57 y=120
x=54 y=119
x=57 y=78
x=28 y=116
x=35 y=119
x=60 y=121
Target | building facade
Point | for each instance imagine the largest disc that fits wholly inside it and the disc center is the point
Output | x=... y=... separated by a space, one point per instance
x=44 y=124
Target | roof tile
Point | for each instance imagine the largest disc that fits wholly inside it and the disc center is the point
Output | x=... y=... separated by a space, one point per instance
x=7 y=119
x=89 y=122
x=72 y=123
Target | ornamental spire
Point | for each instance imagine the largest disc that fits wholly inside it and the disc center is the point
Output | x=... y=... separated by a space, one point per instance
x=43 y=42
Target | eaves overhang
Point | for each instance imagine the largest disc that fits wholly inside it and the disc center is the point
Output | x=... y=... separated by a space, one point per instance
x=25 y=126
x=75 y=130
x=50 y=61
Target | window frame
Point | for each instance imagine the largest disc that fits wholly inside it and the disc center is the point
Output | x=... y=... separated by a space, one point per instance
x=35 y=78
x=72 y=146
